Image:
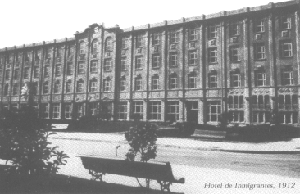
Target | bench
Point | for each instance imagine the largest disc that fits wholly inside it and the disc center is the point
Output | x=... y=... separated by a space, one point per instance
x=162 y=172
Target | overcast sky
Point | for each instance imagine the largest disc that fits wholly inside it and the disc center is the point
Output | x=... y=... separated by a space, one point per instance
x=29 y=21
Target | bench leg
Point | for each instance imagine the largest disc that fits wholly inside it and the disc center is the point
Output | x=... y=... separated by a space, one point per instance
x=165 y=186
x=96 y=175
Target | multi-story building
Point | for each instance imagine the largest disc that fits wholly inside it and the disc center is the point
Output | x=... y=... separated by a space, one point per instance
x=244 y=63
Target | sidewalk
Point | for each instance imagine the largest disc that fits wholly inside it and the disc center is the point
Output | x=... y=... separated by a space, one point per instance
x=281 y=147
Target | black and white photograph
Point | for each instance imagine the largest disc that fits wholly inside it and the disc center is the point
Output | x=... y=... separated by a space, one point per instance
x=160 y=96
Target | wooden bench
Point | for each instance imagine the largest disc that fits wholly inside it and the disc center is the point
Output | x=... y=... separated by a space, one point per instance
x=162 y=172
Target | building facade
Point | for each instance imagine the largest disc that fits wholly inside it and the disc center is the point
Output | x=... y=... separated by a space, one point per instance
x=244 y=63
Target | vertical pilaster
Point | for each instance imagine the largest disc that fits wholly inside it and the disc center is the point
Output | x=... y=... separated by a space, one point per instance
x=145 y=110
x=200 y=112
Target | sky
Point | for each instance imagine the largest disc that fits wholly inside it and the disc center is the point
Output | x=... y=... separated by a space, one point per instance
x=29 y=21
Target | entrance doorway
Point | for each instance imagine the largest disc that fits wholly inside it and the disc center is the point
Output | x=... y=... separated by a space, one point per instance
x=192 y=111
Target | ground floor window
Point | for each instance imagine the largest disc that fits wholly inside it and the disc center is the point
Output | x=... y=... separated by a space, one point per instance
x=155 y=110
x=14 y=107
x=214 y=111
x=138 y=109
x=261 y=117
x=235 y=116
x=68 y=111
x=80 y=110
x=56 y=111
x=288 y=117
x=172 y=111
x=122 y=110
x=93 y=107
x=45 y=111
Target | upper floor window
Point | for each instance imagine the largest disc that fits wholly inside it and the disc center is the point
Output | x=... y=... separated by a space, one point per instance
x=213 y=79
x=108 y=44
x=68 y=86
x=173 y=59
x=122 y=84
x=123 y=64
x=95 y=46
x=57 y=86
x=286 y=49
x=259 y=51
x=36 y=72
x=107 y=65
x=287 y=77
x=94 y=67
x=234 y=29
x=260 y=26
x=174 y=37
x=234 y=54
x=81 y=48
x=107 y=84
x=192 y=80
x=155 y=38
x=46 y=71
x=80 y=86
x=193 y=34
x=16 y=73
x=212 y=55
x=69 y=68
x=45 y=88
x=138 y=62
x=212 y=31
x=58 y=52
x=139 y=41
x=155 y=61
x=15 y=89
x=6 y=90
x=124 y=43
x=7 y=74
x=193 y=57
x=155 y=82
x=173 y=81
x=58 y=70
x=286 y=22
x=26 y=73
x=260 y=78
x=138 y=83
x=93 y=85
x=235 y=79
x=81 y=68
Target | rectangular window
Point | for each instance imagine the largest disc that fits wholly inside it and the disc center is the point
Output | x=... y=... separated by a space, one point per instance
x=286 y=22
x=288 y=102
x=138 y=62
x=69 y=68
x=124 y=42
x=68 y=111
x=138 y=84
x=288 y=117
x=172 y=111
x=213 y=80
x=94 y=67
x=155 y=110
x=235 y=80
x=93 y=86
x=46 y=71
x=193 y=35
x=122 y=110
x=234 y=54
x=212 y=55
x=235 y=116
x=80 y=110
x=68 y=86
x=80 y=86
x=234 y=29
x=107 y=85
x=287 y=49
x=155 y=39
x=7 y=74
x=107 y=64
x=26 y=73
x=260 y=117
x=235 y=102
x=192 y=80
x=139 y=40
x=138 y=108
x=58 y=70
x=81 y=68
x=155 y=61
x=193 y=57
x=173 y=59
x=93 y=107
x=56 y=111
x=260 y=52
x=36 y=72
x=123 y=64
x=287 y=77
x=173 y=81
x=261 y=78
x=260 y=26
x=123 y=84
x=174 y=37
x=155 y=83
x=212 y=31
x=15 y=89
x=45 y=111
x=214 y=111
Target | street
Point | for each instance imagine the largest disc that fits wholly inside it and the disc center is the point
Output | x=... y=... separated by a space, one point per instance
x=187 y=161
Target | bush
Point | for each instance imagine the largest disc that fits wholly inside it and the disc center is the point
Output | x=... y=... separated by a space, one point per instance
x=24 y=141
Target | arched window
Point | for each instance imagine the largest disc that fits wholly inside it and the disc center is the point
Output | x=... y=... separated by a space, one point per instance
x=155 y=82
x=108 y=44
x=173 y=81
